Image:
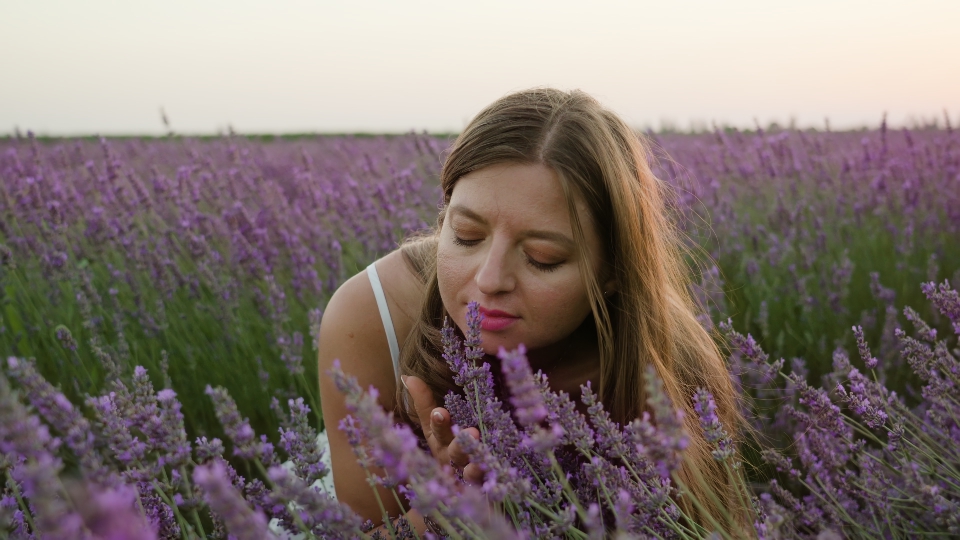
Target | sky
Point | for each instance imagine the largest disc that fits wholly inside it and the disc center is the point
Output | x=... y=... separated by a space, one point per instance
x=109 y=66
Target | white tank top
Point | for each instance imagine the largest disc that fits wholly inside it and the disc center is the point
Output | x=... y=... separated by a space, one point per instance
x=385 y=317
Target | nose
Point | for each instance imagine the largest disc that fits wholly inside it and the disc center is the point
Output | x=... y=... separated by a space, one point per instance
x=495 y=274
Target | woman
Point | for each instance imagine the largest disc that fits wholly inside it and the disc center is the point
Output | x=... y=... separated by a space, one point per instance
x=554 y=223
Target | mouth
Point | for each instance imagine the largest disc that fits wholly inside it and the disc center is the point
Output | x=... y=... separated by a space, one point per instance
x=495 y=320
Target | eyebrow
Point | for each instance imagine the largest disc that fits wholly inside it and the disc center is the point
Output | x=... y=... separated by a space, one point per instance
x=529 y=233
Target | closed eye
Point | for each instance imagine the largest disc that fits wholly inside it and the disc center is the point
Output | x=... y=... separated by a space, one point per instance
x=466 y=243
x=544 y=267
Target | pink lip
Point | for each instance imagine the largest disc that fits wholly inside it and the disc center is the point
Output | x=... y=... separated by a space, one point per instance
x=494 y=319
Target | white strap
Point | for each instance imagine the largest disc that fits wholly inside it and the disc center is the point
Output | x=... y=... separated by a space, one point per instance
x=385 y=317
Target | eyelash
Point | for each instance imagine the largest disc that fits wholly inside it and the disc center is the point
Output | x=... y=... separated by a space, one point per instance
x=538 y=265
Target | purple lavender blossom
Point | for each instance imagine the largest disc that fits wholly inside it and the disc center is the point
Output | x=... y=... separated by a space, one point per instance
x=946 y=300
x=22 y=434
x=237 y=428
x=242 y=521
x=66 y=338
x=112 y=514
x=524 y=391
x=316 y=511
x=430 y=489
x=126 y=448
x=166 y=430
x=299 y=441
x=713 y=431
x=56 y=409
x=864 y=349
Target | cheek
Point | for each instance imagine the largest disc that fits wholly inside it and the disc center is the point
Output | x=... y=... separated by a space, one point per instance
x=557 y=309
x=450 y=276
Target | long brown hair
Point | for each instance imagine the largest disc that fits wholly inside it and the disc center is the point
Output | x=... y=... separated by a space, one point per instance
x=651 y=320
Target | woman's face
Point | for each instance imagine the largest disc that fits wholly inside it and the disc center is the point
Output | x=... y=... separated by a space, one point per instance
x=507 y=242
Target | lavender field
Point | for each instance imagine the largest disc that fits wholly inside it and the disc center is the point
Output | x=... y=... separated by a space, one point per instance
x=159 y=302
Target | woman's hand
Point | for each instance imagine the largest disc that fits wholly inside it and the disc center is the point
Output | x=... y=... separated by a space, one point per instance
x=437 y=428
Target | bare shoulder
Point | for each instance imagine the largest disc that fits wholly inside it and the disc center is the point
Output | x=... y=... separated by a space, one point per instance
x=352 y=321
x=352 y=332
x=403 y=290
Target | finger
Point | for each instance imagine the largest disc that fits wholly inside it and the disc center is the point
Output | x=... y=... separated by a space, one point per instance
x=441 y=425
x=423 y=402
x=458 y=455
x=473 y=474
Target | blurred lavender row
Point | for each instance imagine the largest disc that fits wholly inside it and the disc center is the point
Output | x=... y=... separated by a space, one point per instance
x=207 y=261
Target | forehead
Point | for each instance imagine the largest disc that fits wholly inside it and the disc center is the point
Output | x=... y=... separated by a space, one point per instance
x=514 y=191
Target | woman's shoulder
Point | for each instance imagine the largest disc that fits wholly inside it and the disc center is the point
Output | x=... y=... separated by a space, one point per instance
x=352 y=320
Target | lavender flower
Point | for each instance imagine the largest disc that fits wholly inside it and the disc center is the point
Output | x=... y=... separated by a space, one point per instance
x=245 y=444
x=315 y=510
x=167 y=431
x=112 y=514
x=207 y=450
x=126 y=448
x=299 y=440
x=524 y=391
x=946 y=300
x=713 y=431
x=65 y=337
x=22 y=434
x=864 y=349
x=430 y=489
x=242 y=521
x=56 y=409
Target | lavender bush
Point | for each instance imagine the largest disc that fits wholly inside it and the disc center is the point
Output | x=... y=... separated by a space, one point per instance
x=206 y=261
x=862 y=463
x=152 y=282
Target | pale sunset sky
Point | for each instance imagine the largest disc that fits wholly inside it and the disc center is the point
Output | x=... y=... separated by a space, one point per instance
x=109 y=66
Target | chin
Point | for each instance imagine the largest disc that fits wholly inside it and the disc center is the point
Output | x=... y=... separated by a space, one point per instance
x=492 y=344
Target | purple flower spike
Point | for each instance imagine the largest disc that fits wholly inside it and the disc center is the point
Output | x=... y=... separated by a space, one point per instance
x=868 y=359
x=320 y=514
x=57 y=410
x=243 y=522
x=166 y=430
x=66 y=339
x=22 y=434
x=712 y=429
x=524 y=390
x=126 y=448
x=946 y=300
x=112 y=514
x=236 y=427
x=474 y=318
x=299 y=440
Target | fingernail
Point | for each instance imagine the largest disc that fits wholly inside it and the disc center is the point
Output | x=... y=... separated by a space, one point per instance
x=437 y=417
x=403 y=380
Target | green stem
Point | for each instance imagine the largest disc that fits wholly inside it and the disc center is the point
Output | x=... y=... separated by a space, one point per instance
x=184 y=524
x=396 y=497
x=23 y=505
x=193 y=513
